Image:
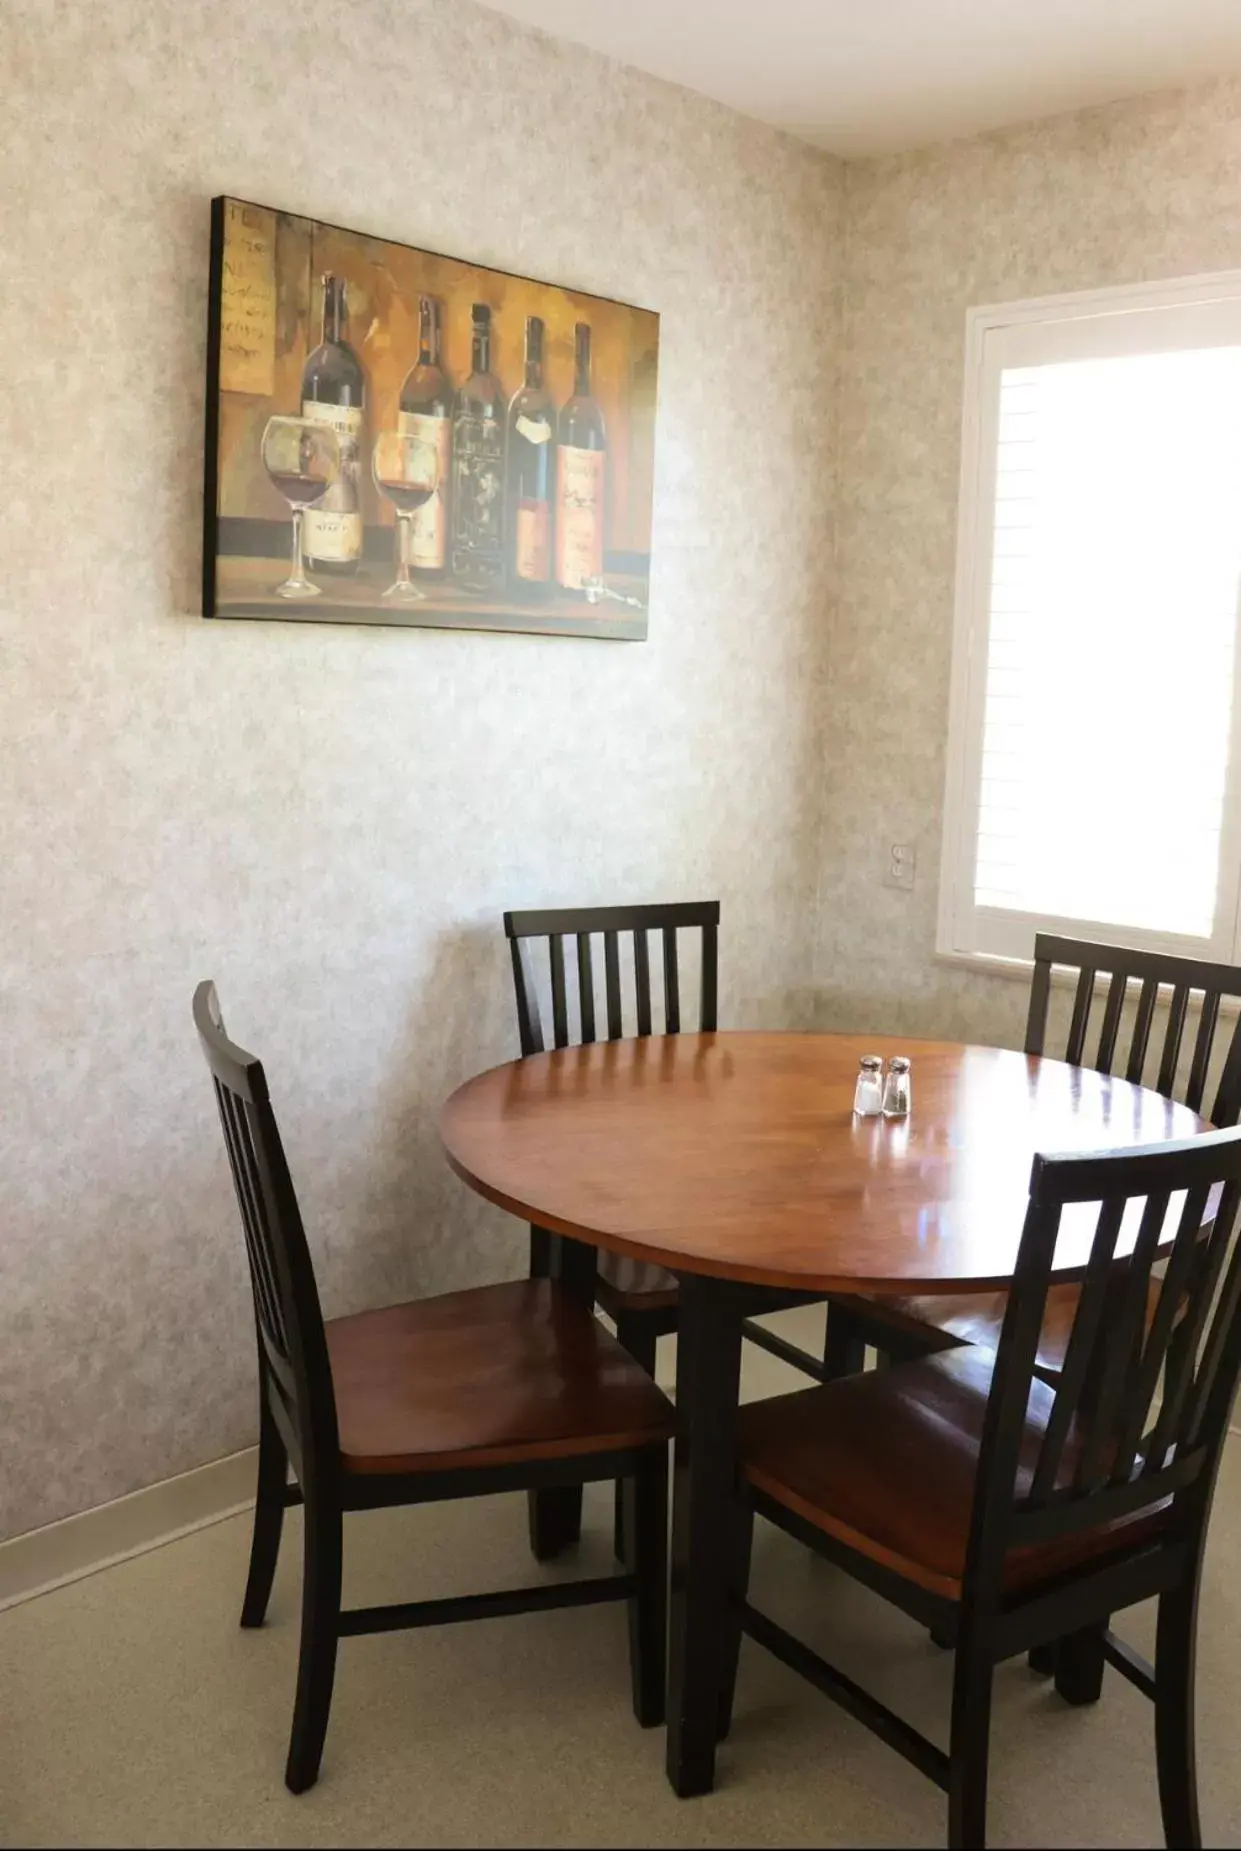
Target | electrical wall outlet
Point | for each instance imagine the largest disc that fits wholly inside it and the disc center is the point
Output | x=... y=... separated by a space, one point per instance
x=902 y=861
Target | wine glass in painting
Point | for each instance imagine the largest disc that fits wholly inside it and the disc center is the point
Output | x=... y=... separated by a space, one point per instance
x=406 y=471
x=303 y=460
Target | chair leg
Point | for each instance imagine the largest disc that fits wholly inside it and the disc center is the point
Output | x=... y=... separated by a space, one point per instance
x=555 y=1519
x=542 y=1253
x=316 y=1665
x=1174 y=1716
x=268 y=1517
x=741 y=1544
x=646 y=1532
x=844 y=1347
x=1043 y=1659
x=970 y=1747
x=1079 y=1666
x=639 y=1336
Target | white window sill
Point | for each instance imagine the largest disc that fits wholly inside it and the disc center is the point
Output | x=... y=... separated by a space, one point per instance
x=987 y=963
x=1020 y=970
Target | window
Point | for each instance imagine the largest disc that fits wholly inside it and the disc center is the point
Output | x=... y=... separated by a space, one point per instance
x=1093 y=778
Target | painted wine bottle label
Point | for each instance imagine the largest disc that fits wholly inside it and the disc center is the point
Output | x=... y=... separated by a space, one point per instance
x=333 y=527
x=579 y=516
x=532 y=542
x=478 y=489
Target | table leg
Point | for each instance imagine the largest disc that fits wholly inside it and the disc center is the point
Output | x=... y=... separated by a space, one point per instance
x=555 y=1513
x=709 y=1321
x=844 y=1347
x=554 y=1520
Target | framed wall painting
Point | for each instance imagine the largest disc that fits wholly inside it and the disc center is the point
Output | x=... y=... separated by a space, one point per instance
x=398 y=437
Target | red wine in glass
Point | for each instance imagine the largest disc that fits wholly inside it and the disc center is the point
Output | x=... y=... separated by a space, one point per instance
x=298 y=490
x=407 y=496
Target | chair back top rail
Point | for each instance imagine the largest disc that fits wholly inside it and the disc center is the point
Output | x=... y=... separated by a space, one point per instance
x=294 y=1370
x=611 y=923
x=1139 y=1412
x=1179 y=978
x=540 y=922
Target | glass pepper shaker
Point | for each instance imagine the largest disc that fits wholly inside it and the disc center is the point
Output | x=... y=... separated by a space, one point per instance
x=896 y=1088
x=868 y=1093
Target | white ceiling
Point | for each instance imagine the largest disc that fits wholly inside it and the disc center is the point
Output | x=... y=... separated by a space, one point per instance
x=870 y=76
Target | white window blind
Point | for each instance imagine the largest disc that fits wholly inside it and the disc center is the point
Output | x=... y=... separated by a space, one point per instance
x=1092 y=781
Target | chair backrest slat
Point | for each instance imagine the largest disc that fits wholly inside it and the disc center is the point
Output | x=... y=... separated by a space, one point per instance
x=672 y=984
x=1204 y=1040
x=560 y=1004
x=1080 y=1350
x=642 y=979
x=1112 y=1444
x=708 y=991
x=1186 y=982
x=244 y=1166
x=1202 y=1271
x=611 y=972
x=1148 y=996
x=585 y=987
x=1119 y=1370
x=1112 y=1011
x=1149 y=1366
x=295 y=1373
x=1172 y=1040
x=1076 y=1045
x=1212 y=1384
x=281 y=1369
x=1227 y=1107
x=1040 y=1002
x=529 y=1025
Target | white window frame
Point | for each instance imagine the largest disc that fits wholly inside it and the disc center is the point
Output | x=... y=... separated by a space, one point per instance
x=990 y=331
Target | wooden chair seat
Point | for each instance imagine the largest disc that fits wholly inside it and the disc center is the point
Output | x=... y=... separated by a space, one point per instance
x=934 y=1322
x=633 y=1285
x=886 y=1464
x=495 y=1375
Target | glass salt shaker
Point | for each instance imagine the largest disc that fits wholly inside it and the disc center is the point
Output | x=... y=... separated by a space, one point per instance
x=868 y=1093
x=896 y=1088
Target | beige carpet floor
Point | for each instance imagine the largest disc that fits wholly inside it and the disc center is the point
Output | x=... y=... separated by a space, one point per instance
x=134 y=1711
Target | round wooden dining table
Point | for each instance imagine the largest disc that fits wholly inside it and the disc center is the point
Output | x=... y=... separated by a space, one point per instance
x=735 y=1161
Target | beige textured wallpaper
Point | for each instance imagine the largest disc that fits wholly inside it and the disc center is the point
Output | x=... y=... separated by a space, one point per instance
x=1136 y=190
x=330 y=821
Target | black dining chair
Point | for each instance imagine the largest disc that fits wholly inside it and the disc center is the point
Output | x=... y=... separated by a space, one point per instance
x=901 y=1328
x=1004 y=1512
x=904 y=1327
x=498 y=1388
x=639 y=1297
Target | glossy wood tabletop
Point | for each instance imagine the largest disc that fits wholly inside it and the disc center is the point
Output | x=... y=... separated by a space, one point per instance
x=738 y=1155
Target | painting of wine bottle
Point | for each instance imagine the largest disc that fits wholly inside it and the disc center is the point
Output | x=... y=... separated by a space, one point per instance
x=478 y=446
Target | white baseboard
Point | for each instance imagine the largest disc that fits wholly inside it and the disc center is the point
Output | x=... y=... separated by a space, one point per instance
x=78 y=1546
